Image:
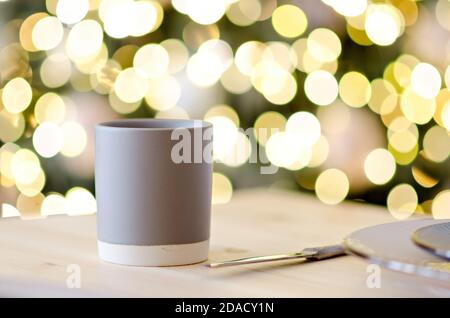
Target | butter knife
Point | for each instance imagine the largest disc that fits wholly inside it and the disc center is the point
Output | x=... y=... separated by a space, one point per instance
x=310 y=254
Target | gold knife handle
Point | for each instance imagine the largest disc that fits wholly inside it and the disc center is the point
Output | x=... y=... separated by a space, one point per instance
x=323 y=252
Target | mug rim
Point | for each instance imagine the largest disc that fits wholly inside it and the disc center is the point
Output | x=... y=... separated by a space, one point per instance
x=136 y=124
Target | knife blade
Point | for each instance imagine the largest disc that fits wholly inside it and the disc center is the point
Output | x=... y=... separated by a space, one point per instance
x=310 y=254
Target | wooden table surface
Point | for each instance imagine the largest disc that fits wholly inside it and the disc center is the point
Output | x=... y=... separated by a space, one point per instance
x=35 y=255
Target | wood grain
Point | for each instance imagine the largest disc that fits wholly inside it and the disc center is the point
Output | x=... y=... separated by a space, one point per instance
x=34 y=255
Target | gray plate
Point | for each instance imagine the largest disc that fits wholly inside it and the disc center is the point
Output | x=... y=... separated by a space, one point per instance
x=434 y=238
x=390 y=246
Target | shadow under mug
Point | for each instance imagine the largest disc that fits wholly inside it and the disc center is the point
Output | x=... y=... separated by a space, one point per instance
x=153 y=188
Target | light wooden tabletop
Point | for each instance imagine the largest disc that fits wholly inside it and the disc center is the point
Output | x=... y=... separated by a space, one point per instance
x=35 y=256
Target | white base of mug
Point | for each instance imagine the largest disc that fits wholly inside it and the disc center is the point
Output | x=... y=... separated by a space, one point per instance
x=154 y=255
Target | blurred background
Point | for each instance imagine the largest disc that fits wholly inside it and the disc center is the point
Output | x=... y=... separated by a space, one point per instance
x=350 y=99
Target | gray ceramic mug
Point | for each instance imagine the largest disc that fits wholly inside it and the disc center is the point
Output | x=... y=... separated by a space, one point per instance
x=153 y=189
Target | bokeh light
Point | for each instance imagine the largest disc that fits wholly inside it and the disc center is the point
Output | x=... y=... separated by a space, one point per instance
x=16 y=95
x=332 y=186
x=84 y=40
x=47 y=33
x=321 y=88
x=267 y=124
x=74 y=139
x=402 y=201
x=289 y=21
x=55 y=70
x=324 y=45
x=355 y=89
x=425 y=80
x=80 y=201
x=383 y=24
x=50 y=107
x=280 y=82
x=436 y=144
x=152 y=60
x=70 y=12
x=131 y=85
x=379 y=166
x=222 y=189
x=440 y=205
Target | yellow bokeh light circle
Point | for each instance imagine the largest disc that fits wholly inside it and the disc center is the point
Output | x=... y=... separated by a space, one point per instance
x=80 y=201
x=122 y=18
x=436 y=144
x=55 y=70
x=320 y=151
x=53 y=204
x=332 y=186
x=244 y=13
x=402 y=69
x=321 y=88
x=84 y=40
x=324 y=45
x=234 y=81
x=248 y=55
x=120 y=106
x=379 y=166
x=47 y=139
x=441 y=204
x=222 y=189
x=384 y=98
x=225 y=133
x=12 y=126
x=289 y=21
x=279 y=87
x=349 y=8
x=402 y=201
x=425 y=80
x=26 y=31
x=152 y=60
x=30 y=206
x=33 y=188
x=95 y=63
x=178 y=54
x=131 y=85
x=25 y=167
x=384 y=24
x=280 y=53
x=16 y=95
x=267 y=124
x=148 y=16
x=355 y=89
x=47 y=33
x=163 y=93
x=402 y=134
x=9 y=211
x=50 y=107
x=224 y=111
x=282 y=149
x=206 y=11
x=239 y=153
x=75 y=139
x=204 y=69
x=70 y=12
x=305 y=127
x=442 y=11
x=7 y=152
x=173 y=113
x=220 y=49
x=416 y=108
